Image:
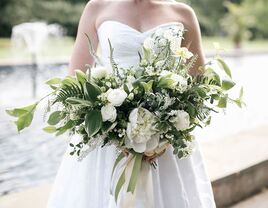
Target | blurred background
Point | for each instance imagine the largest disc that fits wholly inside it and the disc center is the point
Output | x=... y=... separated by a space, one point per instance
x=36 y=40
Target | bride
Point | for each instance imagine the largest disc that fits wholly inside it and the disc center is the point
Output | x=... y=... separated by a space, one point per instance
x=175 y=183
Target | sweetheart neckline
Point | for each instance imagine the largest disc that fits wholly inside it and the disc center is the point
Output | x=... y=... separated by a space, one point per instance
x=134 y=29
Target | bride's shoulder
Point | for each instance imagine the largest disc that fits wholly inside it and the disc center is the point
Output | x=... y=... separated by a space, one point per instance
x=185 y=13
x=96 y=5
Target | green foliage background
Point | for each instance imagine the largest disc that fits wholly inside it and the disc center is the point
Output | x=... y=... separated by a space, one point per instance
x=67 y=12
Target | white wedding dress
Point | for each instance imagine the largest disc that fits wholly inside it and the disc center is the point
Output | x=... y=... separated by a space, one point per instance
x=86 y=184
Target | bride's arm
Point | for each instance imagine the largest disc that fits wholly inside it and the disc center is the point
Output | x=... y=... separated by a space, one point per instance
x=80 y=55
x=192 y=39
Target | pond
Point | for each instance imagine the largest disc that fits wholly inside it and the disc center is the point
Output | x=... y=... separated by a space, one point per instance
x=32 y=157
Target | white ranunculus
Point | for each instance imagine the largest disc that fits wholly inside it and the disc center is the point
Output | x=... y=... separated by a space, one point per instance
x=108 y=113
x=100 y=72
x=180 y=119
x=142 y=133
x=148 y=43
x=116 y=96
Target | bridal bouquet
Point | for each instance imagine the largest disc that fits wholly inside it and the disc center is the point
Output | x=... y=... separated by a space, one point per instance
x=141 y=109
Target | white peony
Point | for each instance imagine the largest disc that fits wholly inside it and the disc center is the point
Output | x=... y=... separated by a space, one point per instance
x=100 y=72
x=148 y=43
x=142 y=133
x=108 y=113
x=116 y=96
x=180 y=119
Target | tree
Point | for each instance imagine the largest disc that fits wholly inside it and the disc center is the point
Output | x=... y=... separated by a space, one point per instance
x=237 y=22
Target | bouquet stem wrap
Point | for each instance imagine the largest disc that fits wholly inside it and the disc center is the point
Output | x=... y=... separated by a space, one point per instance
x=131 y=183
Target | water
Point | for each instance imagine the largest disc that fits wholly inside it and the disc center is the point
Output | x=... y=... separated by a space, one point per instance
x=33 y=157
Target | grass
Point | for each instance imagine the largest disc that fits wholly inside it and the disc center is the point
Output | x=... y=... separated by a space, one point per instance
x=60 y=49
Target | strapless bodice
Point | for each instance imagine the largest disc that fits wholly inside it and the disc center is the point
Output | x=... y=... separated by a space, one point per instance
x=125 y=40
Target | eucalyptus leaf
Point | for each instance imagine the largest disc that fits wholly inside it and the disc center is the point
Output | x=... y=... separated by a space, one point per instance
x=55 y=118
x=68 y=125
x=50 y=129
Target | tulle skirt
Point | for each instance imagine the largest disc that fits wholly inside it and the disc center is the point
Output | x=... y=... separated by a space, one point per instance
x=176 y=183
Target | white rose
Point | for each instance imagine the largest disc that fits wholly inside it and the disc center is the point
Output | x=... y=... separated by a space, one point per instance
x=100 y=72
x=116 y=96
x=142 y=133
x=108 y=113
x=148 y=43
x=180 y=119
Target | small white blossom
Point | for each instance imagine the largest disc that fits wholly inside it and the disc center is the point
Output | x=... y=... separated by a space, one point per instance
x=108 y=113
x=100 y=72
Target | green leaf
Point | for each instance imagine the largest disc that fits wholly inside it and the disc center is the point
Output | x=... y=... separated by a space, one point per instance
x=24 y=121
x=68 y=80
x=92 y=91
x=148 y=86
x=24 y=115
x=50 y=129
x=118 y=159
x=80 y=76
x=78 y=101
x=135 y=173
x=165 y=82
x=93 y=122
x=55 y=118
x=224 y=66
x=223 y=101
x=54 y=81
x=227 y=84
x=61 y=130
x=120 y=184
x=17 y=112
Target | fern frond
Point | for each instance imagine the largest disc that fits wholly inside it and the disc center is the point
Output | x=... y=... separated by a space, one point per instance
x=68 y=91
